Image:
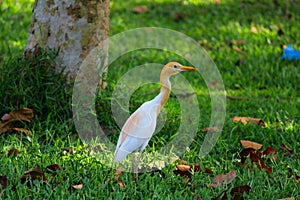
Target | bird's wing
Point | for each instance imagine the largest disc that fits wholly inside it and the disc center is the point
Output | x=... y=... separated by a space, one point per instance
x=136 y=131
x=141 y=124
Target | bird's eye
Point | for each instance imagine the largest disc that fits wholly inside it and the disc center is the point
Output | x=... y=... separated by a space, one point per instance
x=175 y=66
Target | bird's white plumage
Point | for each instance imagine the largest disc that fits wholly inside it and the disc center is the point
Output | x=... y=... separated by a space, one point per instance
x=137 y=130
x=140 y=126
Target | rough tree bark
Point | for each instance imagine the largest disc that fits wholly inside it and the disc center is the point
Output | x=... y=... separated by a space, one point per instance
x=74 y=27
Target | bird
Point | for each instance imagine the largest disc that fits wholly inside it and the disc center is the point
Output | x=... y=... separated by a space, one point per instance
x=140 y=126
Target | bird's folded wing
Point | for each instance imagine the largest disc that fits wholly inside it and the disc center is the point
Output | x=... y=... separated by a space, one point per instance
x=141 y=124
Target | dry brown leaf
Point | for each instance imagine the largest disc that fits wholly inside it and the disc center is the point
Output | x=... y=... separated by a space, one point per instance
x=140 y=9
x=119 y=170
x=12 y=151
x=250 y=144
x=210 y=129
x=177 y=16
x=287 y=148
x=6 y=126
x=209 y=171
x=269 y=151
x=80 y=186
x=245 y=120
x=117 y=178
x=23 y=114
x=289 y=198
x=119 y=181
x=227 y=178
x=5 y=117
x=183 y=173
x=33 y=174
x=254 y=30
x=52 y=168
x=255 y=156
x=237 y=192
x=237 y=49
x=245 y=153
x=21 y=130
x=183 y=168
x=174 y=159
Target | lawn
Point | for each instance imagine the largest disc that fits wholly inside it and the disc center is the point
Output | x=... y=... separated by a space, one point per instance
x=243 y=38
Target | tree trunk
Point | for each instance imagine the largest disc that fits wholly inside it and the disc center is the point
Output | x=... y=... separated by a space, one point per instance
x=74 y=27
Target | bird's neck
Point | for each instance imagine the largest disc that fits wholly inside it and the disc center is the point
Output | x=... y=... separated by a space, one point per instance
x=165 y=90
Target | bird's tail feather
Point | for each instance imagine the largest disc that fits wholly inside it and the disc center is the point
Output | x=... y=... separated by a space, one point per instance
x=120 y=155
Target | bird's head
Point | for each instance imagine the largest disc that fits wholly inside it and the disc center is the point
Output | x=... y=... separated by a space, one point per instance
x=174 y=67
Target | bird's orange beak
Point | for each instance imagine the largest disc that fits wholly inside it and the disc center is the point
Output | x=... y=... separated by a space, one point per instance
x=188 y=68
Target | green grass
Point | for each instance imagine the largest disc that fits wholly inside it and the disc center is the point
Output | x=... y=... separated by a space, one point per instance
x=270 y=84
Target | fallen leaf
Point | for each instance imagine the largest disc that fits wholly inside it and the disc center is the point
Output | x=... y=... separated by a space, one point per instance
x=140 y=9
x=287 y=148
x=245 y=153
x=80 y=186
x=174 y=159
x=210 y=129
x=33 y=174
x=177 y=16
x=23 y=114
x=119 y=170
x=183 y=168
x=250 y=144
x=196 y=167
x=117 y=177
x=182 y=173
x=209 y=171
x=240 y=42
x=21 y=130
x=12 y=151
x=119 y=181
x=237 y=192
x=52 y=168
x=289 y=198
x=254 y=30
x=245 y=120
x=237 y=49
x=227 y=178
x=256 y=158
x=5 y=117
x=268 y=151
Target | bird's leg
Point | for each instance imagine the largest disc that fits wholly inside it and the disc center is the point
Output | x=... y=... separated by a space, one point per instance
x=133 y=162
x=137 y=165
